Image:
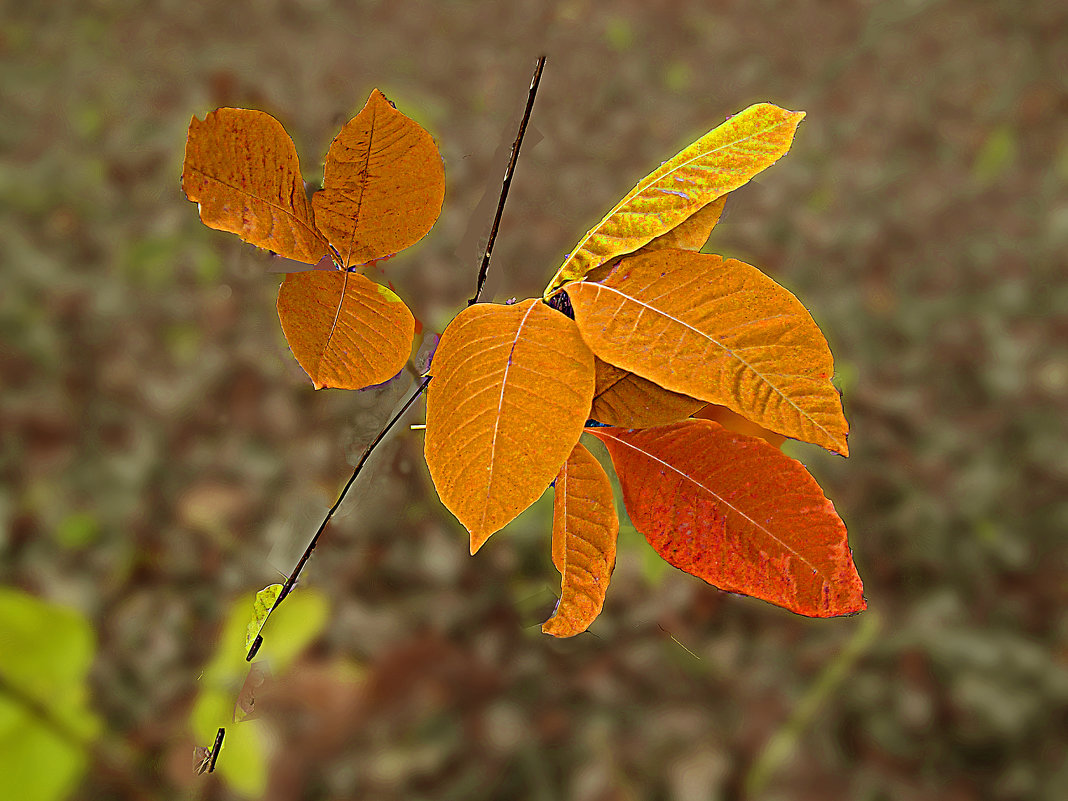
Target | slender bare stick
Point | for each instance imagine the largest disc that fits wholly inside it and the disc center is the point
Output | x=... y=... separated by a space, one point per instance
x=483 y=272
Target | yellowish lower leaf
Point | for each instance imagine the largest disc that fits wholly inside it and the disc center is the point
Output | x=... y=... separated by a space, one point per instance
x=383 y=185
x=627 y=400
x=585 y=527
x=345 y=330
x=241 y=168
x=718 y=330
x=508 y=401
x=719 y=162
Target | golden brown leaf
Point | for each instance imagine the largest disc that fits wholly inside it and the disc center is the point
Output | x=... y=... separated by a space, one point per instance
x=584 y=542
x=383 y=186
x=738 y=513
x=241 y=168
x=719 y=330
x=508 y=400
x=627 y=400
x=345 y=330
x=719 y=162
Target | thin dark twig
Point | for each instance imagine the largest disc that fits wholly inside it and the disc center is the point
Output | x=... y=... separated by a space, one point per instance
x=215 y=749
x=483 y=272
x=292 y=580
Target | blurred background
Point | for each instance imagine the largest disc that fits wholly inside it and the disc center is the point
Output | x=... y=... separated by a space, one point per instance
x=163 y=455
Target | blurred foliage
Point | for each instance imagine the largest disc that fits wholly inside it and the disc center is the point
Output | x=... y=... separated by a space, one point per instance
x=229 y=680
x=46 y=725
x=161 y=454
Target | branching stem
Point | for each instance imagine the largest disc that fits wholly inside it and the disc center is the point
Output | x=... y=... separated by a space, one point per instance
x=482 y=274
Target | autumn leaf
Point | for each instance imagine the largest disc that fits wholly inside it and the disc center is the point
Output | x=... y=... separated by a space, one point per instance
x=383 y=186
x=718 y=330
x=241 y=168
x=345 y=330
x=719 y=162
x=737 y=513
x=508 y=400
x=584 y=542
x=627 y=400
x=691 y=233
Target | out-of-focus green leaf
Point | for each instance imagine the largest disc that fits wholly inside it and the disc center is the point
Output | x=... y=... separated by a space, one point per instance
x=995 y=156
x=287 y=632
x=45 y=653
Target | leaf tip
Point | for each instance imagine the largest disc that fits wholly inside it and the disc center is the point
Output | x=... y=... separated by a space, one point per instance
x=477 y=541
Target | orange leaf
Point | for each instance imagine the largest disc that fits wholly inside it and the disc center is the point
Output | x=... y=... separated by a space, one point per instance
x=345 y=330
x=624 y=399
x=584 y=542
x=733 y=421
x=737 y=513
x=241 y=167
x=383 y=186
x=508 y=401
x=718 y=330
x=691 y=233
x=719 y=162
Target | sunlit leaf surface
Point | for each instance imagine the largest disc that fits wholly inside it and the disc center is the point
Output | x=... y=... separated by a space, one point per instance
x=510 y=391
x=241 y=167
x=718 y=330
x=719 y=162
x=738 y=513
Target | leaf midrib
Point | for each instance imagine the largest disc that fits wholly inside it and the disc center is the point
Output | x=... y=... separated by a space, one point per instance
x=242 y=191
x=500 y=406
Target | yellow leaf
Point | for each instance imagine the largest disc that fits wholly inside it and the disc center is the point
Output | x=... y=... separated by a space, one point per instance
x=691 y=233
x=719 y=330
x=345 y=330
x=383 y=185
x=241 y=167
x=261 y=607
x=508 y=400
x=624 y=399
x=584 y=542
x=719 y=162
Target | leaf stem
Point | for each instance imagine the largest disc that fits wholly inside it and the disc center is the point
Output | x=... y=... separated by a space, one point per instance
x=482 y=274
x=484 y=270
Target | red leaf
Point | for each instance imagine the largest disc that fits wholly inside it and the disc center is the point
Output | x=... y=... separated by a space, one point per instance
x=738 y=513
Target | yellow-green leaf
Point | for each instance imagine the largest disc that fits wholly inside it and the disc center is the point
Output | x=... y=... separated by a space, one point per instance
x=510 y=391
x=241 y=168
x=585 y=527
x=46 y=651
x=719 y=162
x=383 y=185
x=261 y=607
x=345 y=330
x=627 y=400
x=718 y=330
x=691 y=233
